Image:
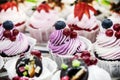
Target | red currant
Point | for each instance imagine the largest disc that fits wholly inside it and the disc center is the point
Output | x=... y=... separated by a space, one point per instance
x=73 y=35
x=15 y=32
x=12 y=38
x=116 y=27
x=117 y=35
x=7 y=33
x=66 y=32
x=36 y=53
x=109 y=32
x=85 y=53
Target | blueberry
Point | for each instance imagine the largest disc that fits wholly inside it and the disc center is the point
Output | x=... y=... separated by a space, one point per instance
x=59 y=25
x=107 y=23
x=8 y=25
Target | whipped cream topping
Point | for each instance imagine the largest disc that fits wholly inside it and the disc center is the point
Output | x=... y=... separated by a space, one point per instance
x=43 y=19
x=14 y=15
x=107 y=47
x=115 y=18
x=85 y=22
x=11 y=48
x=62 y=45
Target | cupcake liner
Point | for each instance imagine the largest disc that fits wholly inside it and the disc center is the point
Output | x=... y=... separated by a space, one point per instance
x=59 y=59
x=41 y=34
x=112 y=67
x=1 y=62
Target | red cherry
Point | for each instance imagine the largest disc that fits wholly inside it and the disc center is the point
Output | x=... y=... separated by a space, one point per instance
x=86 y=59
x=7 y=33
x=65 y=78
x=66 y=32
x=117 y=35
x=15 y=32
x=94 y=61
x=116 y=27
x=16 y=78
x=109 y=32
x=73 y=35
x=12 y=38
x=85 y=53
x=36 y=53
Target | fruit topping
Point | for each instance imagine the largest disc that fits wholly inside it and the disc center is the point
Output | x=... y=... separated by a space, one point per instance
x=66 y=31
x=107 y=23
x=116 y=27
x=64 y=66
x=109 y=32
x=16 y=78
x=59 y=25
x=75 y=63
x=44 y=6
x=13 y=38
x=82 y=8
x=8 y=25
x=73 y=34
x=117 y=35
x=7 y=33
x=85 y=53
x=36 y=53
x=15 y=32
x=65 y=78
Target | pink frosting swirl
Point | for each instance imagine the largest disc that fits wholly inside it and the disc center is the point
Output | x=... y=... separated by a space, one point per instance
x=62 y=45
x=11 y=48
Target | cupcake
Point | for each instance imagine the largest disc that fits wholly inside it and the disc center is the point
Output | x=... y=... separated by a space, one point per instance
x=64 y=42
x=13 y=42
x=76 y=69
x=106 y=47
x=84 y=21
x=63 y=9
x=41 y=23
x=115 y=12
x=9 y=11
x=30 y=68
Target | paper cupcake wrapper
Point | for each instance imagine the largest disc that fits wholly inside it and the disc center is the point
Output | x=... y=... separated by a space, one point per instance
x=113 y=67
x=1 y=62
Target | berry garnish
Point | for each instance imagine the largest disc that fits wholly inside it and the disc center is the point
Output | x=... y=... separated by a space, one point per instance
x=8 y=25
x=116 y=27
x=117 y=35
x=7 y=33
x=59 y=25
x=109 y=32
x=75 y=63
x=66 y=31
x=15 y=32
x=13 y=38
x=86 y=59
x=107 y=23
x=44 y=6
x=16 y=78
x=93 y=61
x=85 y=53
x=73 y=35
x=64 y=66
x=36 y=53
x=65 y=78
x=83 y=8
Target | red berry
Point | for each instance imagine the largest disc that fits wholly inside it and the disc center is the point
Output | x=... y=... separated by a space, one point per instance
x=15 y=32
x=117 y=35
x=116 y=27
x=16 y=78
x=7 y=33
x=73 y=35
x=36 y=53
x=94 y=61
x=65 y=78
x=12 y=38
x=85 y=53
x=86 y=59
x=66 y=32
x=109 y=32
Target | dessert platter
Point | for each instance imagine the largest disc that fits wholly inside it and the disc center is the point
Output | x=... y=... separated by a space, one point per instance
x=59 y=39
